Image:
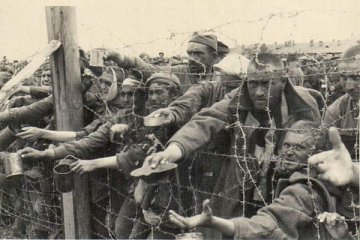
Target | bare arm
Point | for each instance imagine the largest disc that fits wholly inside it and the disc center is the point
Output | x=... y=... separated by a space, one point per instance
x=34 y=133
x=60 y=136
x=85 y=166
x=205 y=219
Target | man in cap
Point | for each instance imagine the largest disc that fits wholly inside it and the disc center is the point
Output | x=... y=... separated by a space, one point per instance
x=162 y=88
x=202 y=53
x=160 y=61
x=344 y=112
x=252 y=113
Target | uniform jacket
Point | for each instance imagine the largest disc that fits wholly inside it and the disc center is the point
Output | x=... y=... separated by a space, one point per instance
x=195 y=98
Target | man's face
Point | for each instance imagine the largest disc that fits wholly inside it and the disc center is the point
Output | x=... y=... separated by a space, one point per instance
x=158 y=95
x=265 y=93
x=45 y=78
x=106 y=79
x=296 y=150
x=131 y=97
x=200 y=56
x=351 y=85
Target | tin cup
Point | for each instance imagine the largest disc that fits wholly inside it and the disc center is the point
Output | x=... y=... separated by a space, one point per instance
x=97 y=57
x=63 y=176
x=13 y=165
x=189 y=236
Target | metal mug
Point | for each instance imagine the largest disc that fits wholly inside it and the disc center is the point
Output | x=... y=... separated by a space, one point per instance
x=189 y=236
x=13 y=165
x=97 y=57
x=63 y=176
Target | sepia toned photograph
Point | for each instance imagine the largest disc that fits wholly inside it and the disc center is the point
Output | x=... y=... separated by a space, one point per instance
x=180 y=119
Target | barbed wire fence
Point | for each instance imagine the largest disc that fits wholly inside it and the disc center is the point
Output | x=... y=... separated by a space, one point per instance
x=33 y=205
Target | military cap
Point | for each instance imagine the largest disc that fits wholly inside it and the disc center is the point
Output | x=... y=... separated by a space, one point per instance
x=207 y=40
x=163 y=77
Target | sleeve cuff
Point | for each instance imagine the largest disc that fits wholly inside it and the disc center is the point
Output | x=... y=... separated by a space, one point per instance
x=182 y=148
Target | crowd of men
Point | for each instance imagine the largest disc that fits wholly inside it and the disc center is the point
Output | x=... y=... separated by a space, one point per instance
x=244 y=147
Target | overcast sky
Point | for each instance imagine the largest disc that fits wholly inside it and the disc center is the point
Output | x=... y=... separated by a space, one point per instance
x=135 y=26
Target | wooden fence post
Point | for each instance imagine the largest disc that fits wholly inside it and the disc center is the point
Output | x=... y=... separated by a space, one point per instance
x=65 y=66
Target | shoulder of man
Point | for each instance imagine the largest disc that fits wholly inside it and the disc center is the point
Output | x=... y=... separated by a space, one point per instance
x=325 y=189
x=339 y=105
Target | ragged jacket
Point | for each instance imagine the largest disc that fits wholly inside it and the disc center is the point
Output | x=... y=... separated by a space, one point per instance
x=233 y=112
x=292 y=215
x=199 y=96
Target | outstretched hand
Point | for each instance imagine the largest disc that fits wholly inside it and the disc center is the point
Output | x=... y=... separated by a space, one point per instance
x=31 y=133
x=32 y=154
x=171 y=154
x=204 y=219
x=335 y=165
x=83 y=166
x=334 y=224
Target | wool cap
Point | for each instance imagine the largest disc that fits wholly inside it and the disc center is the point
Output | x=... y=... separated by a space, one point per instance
x=207 y=40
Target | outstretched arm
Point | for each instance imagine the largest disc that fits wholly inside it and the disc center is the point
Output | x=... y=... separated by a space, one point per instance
x=34 y=133
x=85 y=166
x=205 y=219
